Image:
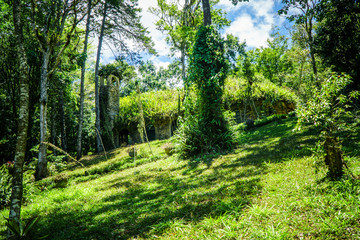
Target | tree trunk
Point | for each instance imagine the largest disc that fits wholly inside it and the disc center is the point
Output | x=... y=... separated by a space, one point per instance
x=17 y=181
x=62 y=121
x=97 y=99
x=53 y=127
x=183 y=71
x=206 y=11
x=81 y=110
x=41 y=168
x=309 y=27
x=333 y=158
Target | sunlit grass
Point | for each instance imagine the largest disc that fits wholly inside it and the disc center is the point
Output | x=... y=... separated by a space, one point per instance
x=265 y=189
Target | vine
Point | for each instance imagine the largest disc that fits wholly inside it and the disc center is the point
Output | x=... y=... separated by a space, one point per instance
x=204 y=128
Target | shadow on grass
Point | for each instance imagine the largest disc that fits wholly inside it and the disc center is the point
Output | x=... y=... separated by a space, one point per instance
x=275 y=143
x=148 y=203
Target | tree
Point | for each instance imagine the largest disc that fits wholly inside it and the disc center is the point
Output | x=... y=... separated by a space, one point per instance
x=338 y=36
x=273 y=61
x=97 y=95
x=180 y=22
x=120 y=22
x=329 y=109
x=82 y=81
x=17 y=183
x=207 y=10
x=304 y=15
x=205 y=129
x=52 y=27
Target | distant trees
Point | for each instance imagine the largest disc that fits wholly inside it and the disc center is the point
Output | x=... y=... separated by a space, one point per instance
x=303 y=12
x=274 y=61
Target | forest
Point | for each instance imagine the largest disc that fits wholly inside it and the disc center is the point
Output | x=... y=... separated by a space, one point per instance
x=224 y=141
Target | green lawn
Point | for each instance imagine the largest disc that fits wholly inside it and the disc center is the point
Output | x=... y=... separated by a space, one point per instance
x=265 y=189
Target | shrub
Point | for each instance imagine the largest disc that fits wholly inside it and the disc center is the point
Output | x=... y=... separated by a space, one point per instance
x=329 y=109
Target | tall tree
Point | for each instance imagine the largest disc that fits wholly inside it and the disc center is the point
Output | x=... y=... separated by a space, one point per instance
x=305 y=15
x=50 y=20
x=17 y=182
x=206 y=12
x=120 y=22
x=179 y=20
x=97 y=95
x=82 y=81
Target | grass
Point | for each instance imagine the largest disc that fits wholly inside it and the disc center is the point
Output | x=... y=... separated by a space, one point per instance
x=264 y=189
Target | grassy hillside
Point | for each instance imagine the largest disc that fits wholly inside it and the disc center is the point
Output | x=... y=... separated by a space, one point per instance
x=265 y=189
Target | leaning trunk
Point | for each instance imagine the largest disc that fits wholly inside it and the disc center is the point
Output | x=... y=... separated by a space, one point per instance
x=41 y=168
x=81 y=110
x=97 y=99
x=17 y=181
x=333 y=157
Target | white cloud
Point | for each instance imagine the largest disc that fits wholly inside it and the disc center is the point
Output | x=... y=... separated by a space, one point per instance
x=148 y=20
x=252 y=21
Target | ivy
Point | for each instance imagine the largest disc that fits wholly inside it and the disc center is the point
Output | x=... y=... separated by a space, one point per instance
x=204 y=128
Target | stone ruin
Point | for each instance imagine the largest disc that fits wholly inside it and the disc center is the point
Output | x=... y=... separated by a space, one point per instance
x=109 y=109
x=113 y=136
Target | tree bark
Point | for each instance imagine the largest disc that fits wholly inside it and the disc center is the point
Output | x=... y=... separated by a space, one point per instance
x=206 y=11
x=333 y=158
x=62 y=121
x=41 y=168
x=81 y=110
x=97 y=98
x=17 y=182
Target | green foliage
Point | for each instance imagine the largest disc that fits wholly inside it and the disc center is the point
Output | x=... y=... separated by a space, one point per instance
x=204 y=127
x=264 y=189
x=268 y=97
x=330 y=110
x=180 y=24
x=330 y=106
x=5 y=184
x=120 y=69
x=23 y=230
x=157 y=106
x=338 y=35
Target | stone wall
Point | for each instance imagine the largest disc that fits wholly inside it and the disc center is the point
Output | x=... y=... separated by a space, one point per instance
x=109 y=109
x=163 y=129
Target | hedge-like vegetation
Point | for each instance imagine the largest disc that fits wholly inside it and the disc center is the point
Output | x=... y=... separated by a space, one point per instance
x=162 y=105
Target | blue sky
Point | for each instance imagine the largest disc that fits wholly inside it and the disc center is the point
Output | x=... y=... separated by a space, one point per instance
x=251 y=22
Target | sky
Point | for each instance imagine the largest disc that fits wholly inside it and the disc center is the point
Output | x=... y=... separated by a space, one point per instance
x=250 y=21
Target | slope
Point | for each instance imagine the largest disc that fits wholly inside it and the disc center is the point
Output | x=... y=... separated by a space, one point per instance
x=265 y=189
